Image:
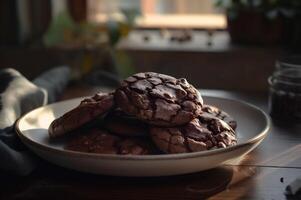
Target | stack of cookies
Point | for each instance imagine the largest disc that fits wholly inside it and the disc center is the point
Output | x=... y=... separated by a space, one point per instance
x=150 y=113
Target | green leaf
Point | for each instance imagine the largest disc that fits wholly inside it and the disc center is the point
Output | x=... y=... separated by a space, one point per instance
x=130 y=15
x=56 y=32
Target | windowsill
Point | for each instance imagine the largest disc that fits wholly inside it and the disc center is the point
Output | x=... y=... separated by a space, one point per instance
x=220 y=41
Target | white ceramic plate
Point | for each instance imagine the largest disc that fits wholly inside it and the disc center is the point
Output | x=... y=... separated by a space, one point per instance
x=253 y=125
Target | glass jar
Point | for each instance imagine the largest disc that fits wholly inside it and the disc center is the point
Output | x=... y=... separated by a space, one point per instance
x=285 y=93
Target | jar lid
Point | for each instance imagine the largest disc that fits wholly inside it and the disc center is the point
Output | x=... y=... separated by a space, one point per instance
x=293 y=61
x=288 y=80
x=288 y=75
x=273 y=80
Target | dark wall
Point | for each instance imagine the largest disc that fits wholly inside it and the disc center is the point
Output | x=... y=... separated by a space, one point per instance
x=238 y=69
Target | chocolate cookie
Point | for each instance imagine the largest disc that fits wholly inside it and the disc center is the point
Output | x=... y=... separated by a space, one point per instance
x=119 y=123
x=88 y=110
x=159 y=99
x=219 y=114
x=100 y=141
x=194 y=136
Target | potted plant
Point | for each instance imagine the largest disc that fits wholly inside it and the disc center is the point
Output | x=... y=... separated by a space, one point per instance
x=262 y=22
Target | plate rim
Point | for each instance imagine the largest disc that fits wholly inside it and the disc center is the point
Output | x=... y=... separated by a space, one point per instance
x=251 y=141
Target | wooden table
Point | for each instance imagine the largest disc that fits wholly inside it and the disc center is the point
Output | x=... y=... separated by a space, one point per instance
x=263 y=174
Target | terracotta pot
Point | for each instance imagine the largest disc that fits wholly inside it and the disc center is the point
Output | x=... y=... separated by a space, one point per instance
x=251 y=27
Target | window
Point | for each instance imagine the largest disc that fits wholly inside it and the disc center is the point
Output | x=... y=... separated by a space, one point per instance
x=192 y=14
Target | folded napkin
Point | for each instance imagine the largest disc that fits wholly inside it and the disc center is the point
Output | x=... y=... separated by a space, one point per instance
x=18 y=96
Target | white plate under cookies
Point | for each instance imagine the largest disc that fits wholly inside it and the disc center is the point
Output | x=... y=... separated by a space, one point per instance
x=253 y=126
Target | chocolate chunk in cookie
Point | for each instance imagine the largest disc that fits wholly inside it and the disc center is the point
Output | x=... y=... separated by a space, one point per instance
x=216 y=112
x=194 y=136
x=89 y=109
x=119 y=123
x=102 y=142
x=159 y=99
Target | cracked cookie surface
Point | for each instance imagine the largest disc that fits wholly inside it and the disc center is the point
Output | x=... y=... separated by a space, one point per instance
x=195 y=136
x=86 y=111
x=102 y=142
x=216 y=112
x=159 y=99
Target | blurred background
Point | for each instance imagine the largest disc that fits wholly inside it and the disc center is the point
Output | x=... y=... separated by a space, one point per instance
x=221 y=44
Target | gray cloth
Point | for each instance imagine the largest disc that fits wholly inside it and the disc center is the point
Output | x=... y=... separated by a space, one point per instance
x=53 y=81
x=17 y=97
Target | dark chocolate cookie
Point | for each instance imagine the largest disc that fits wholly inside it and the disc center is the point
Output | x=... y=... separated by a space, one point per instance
x=159 y=99
x=119 y=123
x=100 y=141
x=88 y=110
x=219 y=114
x=194 y=136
